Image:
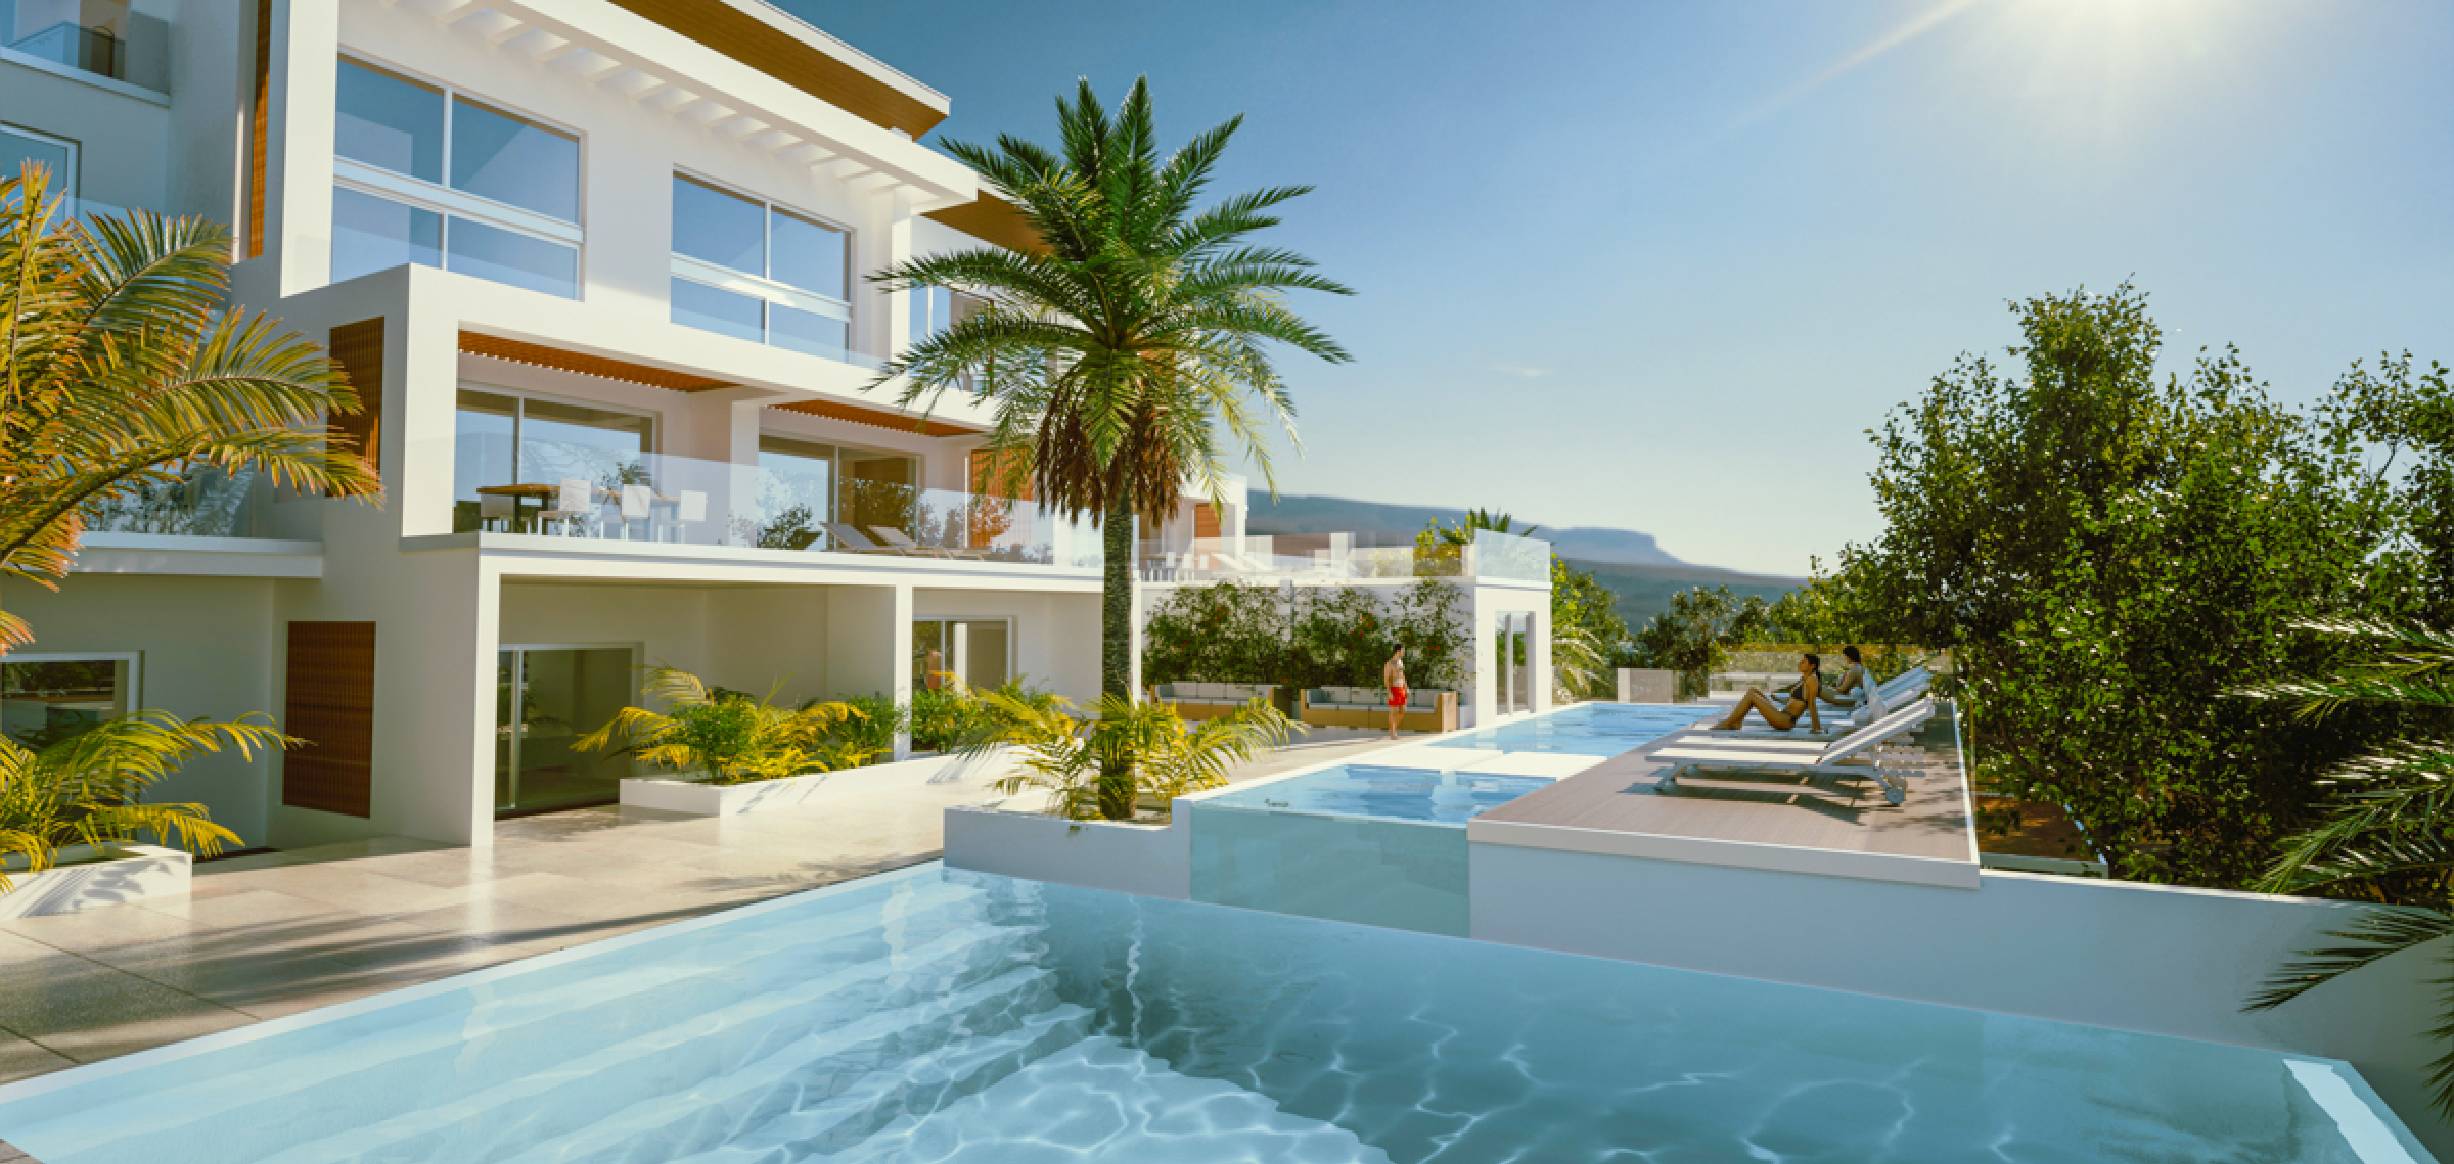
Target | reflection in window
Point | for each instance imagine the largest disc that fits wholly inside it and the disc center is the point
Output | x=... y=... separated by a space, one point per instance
x=504 y=208
x=59 y=155
x=961 y=653
x=796 y=494
x=503 y=440
x=754 y=271
x=46 y=700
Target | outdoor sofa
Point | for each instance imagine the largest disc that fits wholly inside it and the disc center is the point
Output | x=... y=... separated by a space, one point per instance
x=1209 y=700
x=1368 y=707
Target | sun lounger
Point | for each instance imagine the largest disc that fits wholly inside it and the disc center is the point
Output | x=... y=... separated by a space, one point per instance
x=901 y=542
x=1846 y=756
x=849 y=538
x=1838 y=721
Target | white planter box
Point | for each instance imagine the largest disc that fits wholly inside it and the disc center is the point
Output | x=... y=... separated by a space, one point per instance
x=1149 y=859
x=90 y=879
x=667 y=794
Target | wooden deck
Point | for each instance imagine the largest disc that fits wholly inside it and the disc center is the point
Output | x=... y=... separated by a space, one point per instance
x=1837 y=826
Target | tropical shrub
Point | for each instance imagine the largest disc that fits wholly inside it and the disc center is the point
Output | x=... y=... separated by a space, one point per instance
x=2388 y=833
x=728 y=737
x=948 y=718
x=88 y=788
x=2107 y=550
x=1224 y=633
x=873 y=730
x=125 y=370
x=1158 y=754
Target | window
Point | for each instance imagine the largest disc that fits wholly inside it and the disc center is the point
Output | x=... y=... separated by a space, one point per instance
x=19 y=146
x=934 y=309
x=756 y=271
x=48 y=698
x=961 y=652
x=425 y=175
x=500 y=439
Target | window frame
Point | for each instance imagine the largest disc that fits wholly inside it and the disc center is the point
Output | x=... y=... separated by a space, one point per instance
x=131 y=700
x=1013 y=650
x=449 y=202
x=76 y=155
x=765 y=287
x=519 y=415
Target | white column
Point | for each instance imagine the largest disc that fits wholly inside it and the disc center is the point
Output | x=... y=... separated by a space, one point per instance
x=298 y=158
x=1538 y=657
x=1482 y=692
x=899 y=651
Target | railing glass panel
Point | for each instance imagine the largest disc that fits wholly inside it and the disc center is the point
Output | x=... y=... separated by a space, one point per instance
x=1337 y=556
x=600 y=491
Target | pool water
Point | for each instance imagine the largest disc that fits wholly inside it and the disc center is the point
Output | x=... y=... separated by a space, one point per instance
x=1591 y=729
x=1385 y=793
x=933 y=1016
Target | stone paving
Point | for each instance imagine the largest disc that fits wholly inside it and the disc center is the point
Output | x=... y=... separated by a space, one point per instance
x=275 y=933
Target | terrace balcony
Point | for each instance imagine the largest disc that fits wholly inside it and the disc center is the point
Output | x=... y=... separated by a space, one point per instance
x=88 y=39
x=1344 y=557
x=568 y=495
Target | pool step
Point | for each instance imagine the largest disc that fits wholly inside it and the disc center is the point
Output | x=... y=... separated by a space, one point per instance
x=1100 y=1101
x=652 y=1068
x=811 y=973
x=764 y=1116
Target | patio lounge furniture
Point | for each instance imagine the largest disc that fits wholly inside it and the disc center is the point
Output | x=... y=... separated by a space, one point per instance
x=1368 y=707
x=1197 y=701
x=849 y=538
x=1846 y=756
x=1839 y=721
x=897 y=540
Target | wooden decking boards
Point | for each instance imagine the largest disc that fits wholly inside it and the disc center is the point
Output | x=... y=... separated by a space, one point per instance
x=1612 y=807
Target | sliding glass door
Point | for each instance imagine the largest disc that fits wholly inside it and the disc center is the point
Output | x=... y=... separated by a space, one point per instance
x=961 y=653
x=545 y=698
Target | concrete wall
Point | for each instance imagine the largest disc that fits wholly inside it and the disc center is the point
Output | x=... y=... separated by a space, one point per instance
x=2117 y=954
x=206 y=647
x=1056 y=636
x=1151 y=860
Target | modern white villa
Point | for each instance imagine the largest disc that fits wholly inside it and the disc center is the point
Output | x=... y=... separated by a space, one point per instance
x=597 y=268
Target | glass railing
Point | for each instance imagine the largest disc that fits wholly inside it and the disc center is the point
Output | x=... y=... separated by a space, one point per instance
x=91 y=36
x=200 y=501
x=1337 y=556
x=605 y=492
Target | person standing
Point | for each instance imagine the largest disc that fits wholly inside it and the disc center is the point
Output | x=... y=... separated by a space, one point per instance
x=1393 y=677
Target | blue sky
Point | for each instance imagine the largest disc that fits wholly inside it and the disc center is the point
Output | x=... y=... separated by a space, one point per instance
x=1661 y=265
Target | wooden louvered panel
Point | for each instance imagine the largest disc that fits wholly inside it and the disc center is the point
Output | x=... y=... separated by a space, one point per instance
x=995 y=221
x=1205 y=520
x=358 y=349
x=260 y=110
x=330 y=703
x=989 y=477
x=881 y=417
x=583 y=363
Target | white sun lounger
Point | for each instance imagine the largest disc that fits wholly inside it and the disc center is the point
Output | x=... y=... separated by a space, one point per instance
x=1841 y=720
x=1846 y=756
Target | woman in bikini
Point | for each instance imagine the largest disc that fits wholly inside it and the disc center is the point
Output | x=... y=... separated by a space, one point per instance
x=1798 y=700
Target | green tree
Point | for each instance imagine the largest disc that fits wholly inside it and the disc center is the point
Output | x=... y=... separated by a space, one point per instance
x=2107 y=550
x=124 y=367
x=1585 y=631
x=1133 y=352
x=2388 y=835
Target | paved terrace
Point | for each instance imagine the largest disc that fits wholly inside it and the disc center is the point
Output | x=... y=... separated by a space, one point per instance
x=1833 y=825
x=275 y=933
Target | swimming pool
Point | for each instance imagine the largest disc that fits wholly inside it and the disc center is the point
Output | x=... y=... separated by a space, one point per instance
x=1592 y=729
x=956 y=1018
x=1384 y=792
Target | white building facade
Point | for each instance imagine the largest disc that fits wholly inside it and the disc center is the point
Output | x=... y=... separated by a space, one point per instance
x=600 y=270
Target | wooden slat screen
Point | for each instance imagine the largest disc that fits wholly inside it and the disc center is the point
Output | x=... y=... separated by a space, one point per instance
x=1205 y=520
x=260 y=111
x=358 y=349
x=331 y=704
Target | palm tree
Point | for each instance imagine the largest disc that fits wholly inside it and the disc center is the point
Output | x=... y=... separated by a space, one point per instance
x=2390 y=835
x=124 y=367
x=1164 y=757
x=731 y=737
x=85 y=788
x=1132 y=353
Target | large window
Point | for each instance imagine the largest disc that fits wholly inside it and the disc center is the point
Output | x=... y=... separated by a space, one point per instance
x=425 y=175
x=48 y=698
x=934 y=309
x=804 y=486
x=756 y=271
x=19 y=146
x=505 y=440
x=961 y=652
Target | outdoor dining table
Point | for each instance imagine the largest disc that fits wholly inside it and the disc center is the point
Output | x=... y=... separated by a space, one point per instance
x=546 y=493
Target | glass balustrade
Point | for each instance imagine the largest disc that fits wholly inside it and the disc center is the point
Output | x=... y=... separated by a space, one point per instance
x=604 y=492
x=1332 y=557
x=198 y=500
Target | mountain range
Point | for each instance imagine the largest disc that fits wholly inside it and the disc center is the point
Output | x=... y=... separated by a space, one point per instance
x=1630 y=563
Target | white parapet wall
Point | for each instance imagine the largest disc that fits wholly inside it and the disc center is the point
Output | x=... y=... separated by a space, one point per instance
x=667 y=794
x=118 y=874
x=2139 y=957
x=1154 y=860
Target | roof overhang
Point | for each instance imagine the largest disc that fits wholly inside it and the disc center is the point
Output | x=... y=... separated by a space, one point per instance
x=783 y=46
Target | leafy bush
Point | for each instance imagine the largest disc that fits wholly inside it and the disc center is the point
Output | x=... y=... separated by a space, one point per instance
x=873 y=730
x=1223 y=633
x=728 y=737
x=1340 y=636
x=88 y=788
x=949 y=718
x=1158 y=755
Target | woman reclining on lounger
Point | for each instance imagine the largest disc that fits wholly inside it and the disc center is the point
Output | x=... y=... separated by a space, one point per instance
x=1797 y=700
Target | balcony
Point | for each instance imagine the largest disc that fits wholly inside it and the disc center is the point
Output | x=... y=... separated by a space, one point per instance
x=97 y=38
x=201 y=501
x=1342 y=557
x=604 y=496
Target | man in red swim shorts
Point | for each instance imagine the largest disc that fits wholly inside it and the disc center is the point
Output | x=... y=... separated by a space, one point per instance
x=1393 y=677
